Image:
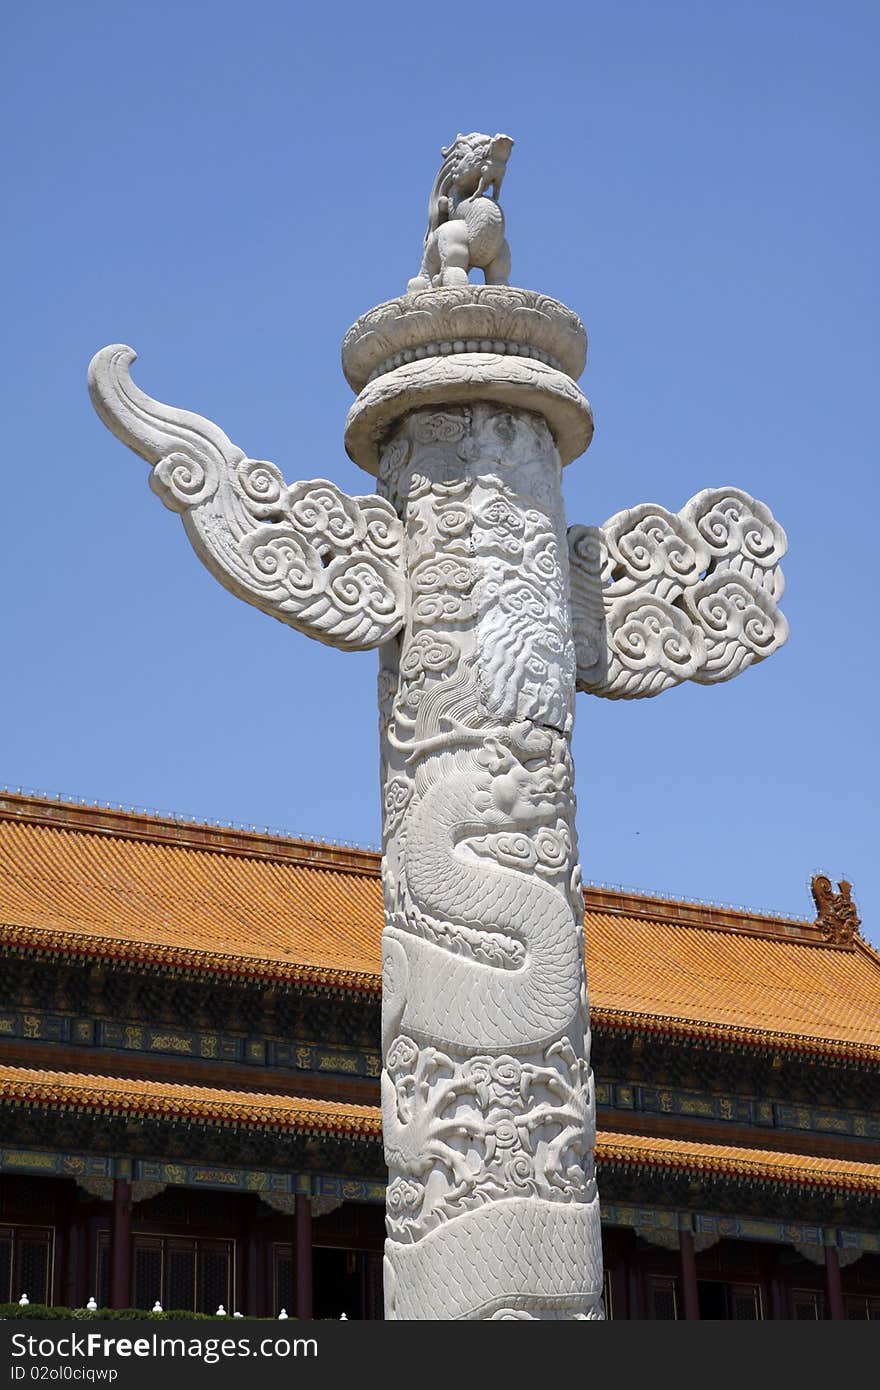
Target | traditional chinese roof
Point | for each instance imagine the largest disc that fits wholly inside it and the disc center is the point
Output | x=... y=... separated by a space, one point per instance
x=665 y=967
x=171 y=1102
x=150 y=890
x=755 y=1165
x=113 y=1095
x=160 y=893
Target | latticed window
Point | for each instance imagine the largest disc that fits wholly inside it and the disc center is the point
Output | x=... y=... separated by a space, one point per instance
x=181 y=1272
x=180 y=1277
x=808 y=1306
x=26 y=1263
x=282 y=1278
x=214 y=1276
x=101 y=1290
x=744 y=1303
x=147 y=1274
x=662 y=1298
x=861 y=1308
x=606 y=1294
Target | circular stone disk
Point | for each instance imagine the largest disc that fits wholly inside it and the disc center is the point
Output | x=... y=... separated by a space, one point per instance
x=463 y=318
x=468 y=377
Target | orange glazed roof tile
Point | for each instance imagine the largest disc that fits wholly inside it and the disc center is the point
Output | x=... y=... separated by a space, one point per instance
x=77 y=880
x=664 y=975
x=111 y=1095
x=763 y=1165
x=164 y=893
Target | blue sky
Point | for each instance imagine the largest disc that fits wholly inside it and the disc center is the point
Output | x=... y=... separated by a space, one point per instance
x=228 y=187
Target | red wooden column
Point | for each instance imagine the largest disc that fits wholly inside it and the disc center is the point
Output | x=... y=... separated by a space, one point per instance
x=267 y=1276
x=635 y=1302
x=770 y=1275
x=833 y=1289
x=777 y=1303
x=74 y=1281
x=64 y=1218
x=250 y=1294
x=302 y=1221
x=90 y=1242
x=688 y=1265
x=120 y=1245
x=252 y=1299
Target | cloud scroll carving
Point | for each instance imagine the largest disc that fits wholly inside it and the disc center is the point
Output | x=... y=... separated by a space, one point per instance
x=661 y=597
x=307 y=554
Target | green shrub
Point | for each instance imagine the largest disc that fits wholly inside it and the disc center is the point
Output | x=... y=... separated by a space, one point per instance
x=36 y=1311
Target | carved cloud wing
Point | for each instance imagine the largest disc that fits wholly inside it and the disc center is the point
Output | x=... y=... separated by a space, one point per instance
x=308 y=555
x=661 y=597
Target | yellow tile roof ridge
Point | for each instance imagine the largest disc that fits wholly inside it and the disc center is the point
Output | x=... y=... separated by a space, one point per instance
x=738 y=1160
x=298 y=913
x=156 y=828
x=689 y=912
x=186 y=959
x=732 y=1032
x=249 y=842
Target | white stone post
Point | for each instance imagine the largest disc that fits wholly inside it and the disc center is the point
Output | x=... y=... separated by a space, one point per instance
x=487 y=1095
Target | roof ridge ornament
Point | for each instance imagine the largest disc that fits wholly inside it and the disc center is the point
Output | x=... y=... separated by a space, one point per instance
x=838 y=918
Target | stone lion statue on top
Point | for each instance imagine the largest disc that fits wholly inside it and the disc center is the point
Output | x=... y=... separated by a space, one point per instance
x=465 y=223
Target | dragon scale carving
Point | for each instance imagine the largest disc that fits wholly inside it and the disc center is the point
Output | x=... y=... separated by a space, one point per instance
x=487 y=1097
